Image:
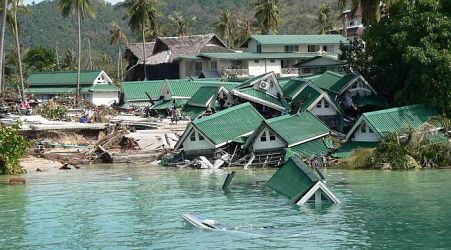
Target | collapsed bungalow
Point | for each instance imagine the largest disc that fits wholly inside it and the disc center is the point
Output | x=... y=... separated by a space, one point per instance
x=300 y=134
x=206 y=136
x=264 y=92
x=296 y=181
x=209 y=99
x=95 y=86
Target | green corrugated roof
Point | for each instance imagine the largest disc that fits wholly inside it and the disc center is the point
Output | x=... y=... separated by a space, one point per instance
x=258 y=94
x=257 y=56
x=135 y=91
x=345 y=150
x=392 y=120
x=203 y=95
x=169 y=104
x=186 y=87
x=332 y=81
x=52 y=90
x=230 y=123
x=100 y=88
x=305 y=98
x=298 y=39
x=293 y=178
x=374 y=101
x=291 y=87
x=297 y=128
x=62 y=78
x=314 y=148
x=192 y=111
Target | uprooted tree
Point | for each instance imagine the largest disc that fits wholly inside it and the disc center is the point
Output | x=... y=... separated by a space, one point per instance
x=12 y=147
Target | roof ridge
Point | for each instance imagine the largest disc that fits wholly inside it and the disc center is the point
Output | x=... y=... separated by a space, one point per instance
x=396 y=109
x=64 y=71
x=225 y=111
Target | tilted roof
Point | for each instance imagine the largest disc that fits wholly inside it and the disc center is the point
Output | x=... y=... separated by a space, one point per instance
x=306 y=97
x=299 y=128
x=62 y=78
x=193 y=111
x=313 y=148
x=137 y=49
x=261 y=97
x=292 y=87
x=203 y=95
x=186 y=87
x=293 y=178
x=332 y=81
x=167 y=104
x=229 y=124
x=394 y=119
x=298 y=39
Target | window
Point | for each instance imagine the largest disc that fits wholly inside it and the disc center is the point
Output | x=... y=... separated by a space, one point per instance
x=259 y=48
x=193 y=136
x=318 y=105
x=256 y=61
x=213 y=65
x=198 y=66
x=363 y=128
x=272 y=137
x=263 y=137
x=370 y=130
x=272 y=61
x=313 y=48
x=291 y=48
x=326 y=104
x=201 y=138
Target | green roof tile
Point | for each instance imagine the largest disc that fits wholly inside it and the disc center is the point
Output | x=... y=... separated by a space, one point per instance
x=305 y=98
x=293 y=86
x=297 y=128
x=52 y=90
x=298 y=39
x=332 y=81
x=136 y=91
x=394 y=119
x=228 y=124
x=62 y=78
x=258 y=94
x=192 y=111
x=345 y=150
x=203 y=95
x=257 y=56
x=100 y=88
x=314 y=148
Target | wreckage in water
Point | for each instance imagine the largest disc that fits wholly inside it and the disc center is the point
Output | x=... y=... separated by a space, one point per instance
x=296 y=181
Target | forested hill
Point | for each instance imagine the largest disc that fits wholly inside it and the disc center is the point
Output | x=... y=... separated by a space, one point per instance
x=44 y=25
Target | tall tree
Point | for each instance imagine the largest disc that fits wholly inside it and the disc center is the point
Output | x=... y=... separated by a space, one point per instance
x=2 y=43
x=40 y=59
x=181 y=24
x=69 y=61
x=225 y=26
x=118 y=37
x=81 y=8
x=324 y=14
x=244 y=29
x=141 y=14
x=267 y=14
x=372 y=10
x=17 y=6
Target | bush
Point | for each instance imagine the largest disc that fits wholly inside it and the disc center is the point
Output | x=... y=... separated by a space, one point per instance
x=52 y=111
x=12 y=147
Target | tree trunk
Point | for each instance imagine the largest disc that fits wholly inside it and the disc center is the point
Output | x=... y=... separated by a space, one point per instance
x=89 y=51
x=119 y=64
x=57 y=58
x=2 y=42
x=77 y=98
x=19 y=58
x=144 y=52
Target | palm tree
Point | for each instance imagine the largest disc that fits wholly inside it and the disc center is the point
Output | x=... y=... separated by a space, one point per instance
x=118 y=37
x=19 y=7
x=372 y=10
x=245 y=28
x=160 y=29
x=181 y=24
x=324 y=18
x=81 y=8
x=267 y=14
x=225 y=26
x=141 y=14
x=2 y=42
x=69 y=60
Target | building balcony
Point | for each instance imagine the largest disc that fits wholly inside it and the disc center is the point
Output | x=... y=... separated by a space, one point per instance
x=235 y=72
x=290 y=71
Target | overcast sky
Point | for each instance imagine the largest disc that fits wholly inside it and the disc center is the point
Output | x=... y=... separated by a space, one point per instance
x=37 y=1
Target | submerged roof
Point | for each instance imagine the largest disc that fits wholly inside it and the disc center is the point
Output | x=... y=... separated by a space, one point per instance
x=314 y=148
x=62 y=78
x=298 y=39
x=299 y=128
x=394 y=119
x=229 y=124
x=293 y=179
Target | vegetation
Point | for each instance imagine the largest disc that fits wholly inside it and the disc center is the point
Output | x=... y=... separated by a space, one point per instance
x=225 y=26
x=118 y=37
x=324 y=16
x=267 y=13
x=12 y=147
x=52 y=111
x=40 y=59
x=181 y=24
x=408 y=52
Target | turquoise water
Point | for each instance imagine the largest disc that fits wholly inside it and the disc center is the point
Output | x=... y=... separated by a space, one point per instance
x=126 y=206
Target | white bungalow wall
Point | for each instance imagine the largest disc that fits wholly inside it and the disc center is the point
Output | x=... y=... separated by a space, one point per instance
x=323 y=108
x=358 y=87
x=104 y=98
x=102 y=78
x=194 y=142
x=262 y=66
x=275 y=144
x=365 y=133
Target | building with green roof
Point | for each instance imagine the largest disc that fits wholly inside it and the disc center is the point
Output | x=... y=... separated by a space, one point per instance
x=95 y=86
x=287 y=131
x=205 y=135
x=301 y=184
x=374 y=126
x=208 y=98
